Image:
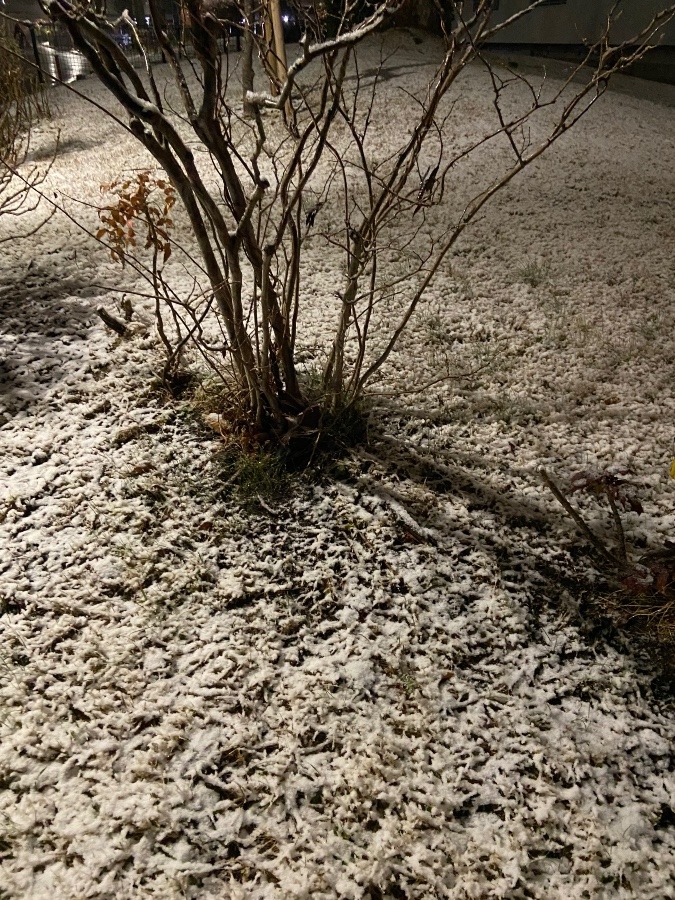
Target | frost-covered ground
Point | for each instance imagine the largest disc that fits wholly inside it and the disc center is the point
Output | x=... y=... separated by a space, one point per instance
x=381 y=687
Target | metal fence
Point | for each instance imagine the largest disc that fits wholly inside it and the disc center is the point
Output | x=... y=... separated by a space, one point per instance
x=49 y=49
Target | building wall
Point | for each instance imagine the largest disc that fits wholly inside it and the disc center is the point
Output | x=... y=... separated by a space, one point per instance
x=22 y=9
x=31 y=9
x=576 y=21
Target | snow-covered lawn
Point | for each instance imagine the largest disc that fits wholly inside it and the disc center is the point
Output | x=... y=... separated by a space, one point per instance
x=380 y=687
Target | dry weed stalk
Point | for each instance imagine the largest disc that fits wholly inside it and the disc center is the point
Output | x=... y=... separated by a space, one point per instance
x=644 y=588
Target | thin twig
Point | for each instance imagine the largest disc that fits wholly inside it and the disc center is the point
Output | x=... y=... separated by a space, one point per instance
x=113 y=323
x=567 y=506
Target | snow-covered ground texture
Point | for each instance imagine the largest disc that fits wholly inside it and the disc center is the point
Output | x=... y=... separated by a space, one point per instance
x=380 y=687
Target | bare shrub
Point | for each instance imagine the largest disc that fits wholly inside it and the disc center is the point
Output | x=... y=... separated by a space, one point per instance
x=254 y=198
x=22 y=103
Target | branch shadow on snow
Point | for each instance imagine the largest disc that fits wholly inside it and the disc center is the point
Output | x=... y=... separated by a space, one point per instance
x=63 y=147
x=44 y=323
x=539 y=560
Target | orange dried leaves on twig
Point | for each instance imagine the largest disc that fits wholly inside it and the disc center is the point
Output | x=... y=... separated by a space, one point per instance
x=142 y=202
